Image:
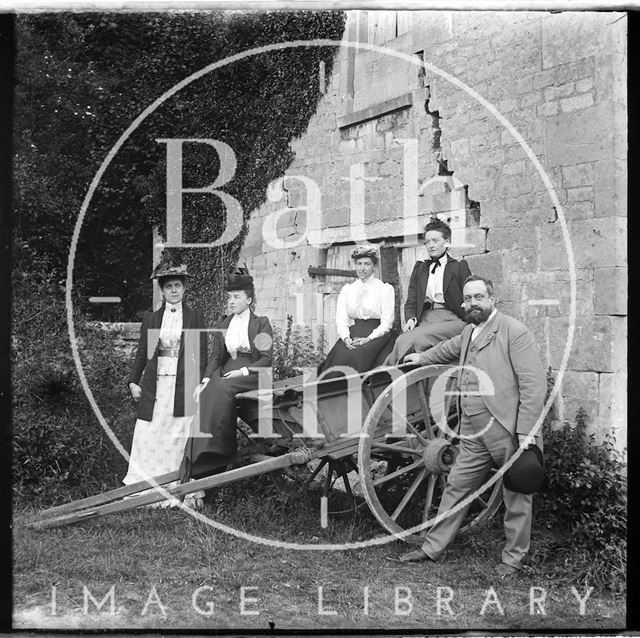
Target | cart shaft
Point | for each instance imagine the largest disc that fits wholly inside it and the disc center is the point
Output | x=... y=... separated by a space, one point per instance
x=155 y=496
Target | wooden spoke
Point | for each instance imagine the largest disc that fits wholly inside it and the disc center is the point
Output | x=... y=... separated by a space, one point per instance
x=393 y=497
x=448 y=399
x=419 y=436
x=422 y=396
x=399 y=472
x=428 y=499
x=409 y=494
x=397 y=448
x=411 y=427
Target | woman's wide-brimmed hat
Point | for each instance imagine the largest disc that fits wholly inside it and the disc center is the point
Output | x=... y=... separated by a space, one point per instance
x=239 y=279
x=168 y=267
x=365 y=250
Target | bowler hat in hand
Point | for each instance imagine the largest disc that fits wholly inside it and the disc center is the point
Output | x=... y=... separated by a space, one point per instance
x=526 y=475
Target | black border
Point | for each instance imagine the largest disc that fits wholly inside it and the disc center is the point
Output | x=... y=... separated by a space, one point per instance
x=7 y=64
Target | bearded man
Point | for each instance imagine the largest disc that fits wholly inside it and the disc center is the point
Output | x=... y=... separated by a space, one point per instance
x=502 y=387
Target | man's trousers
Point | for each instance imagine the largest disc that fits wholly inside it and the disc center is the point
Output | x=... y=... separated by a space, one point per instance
x=484 y=443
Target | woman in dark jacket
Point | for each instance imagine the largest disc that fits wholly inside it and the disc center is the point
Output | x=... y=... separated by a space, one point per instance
x=433 y=310
x=242 y=343
x=169 y=360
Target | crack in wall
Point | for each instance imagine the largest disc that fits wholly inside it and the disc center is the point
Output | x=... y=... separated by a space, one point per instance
x=472 y=207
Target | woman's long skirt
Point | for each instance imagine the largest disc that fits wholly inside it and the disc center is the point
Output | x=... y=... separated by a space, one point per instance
x=213 y=438
x=435 y=325
x=362 y=358
x=158 y=445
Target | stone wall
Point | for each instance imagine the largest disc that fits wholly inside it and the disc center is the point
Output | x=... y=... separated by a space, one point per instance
x=125 y=334
x=392 y=143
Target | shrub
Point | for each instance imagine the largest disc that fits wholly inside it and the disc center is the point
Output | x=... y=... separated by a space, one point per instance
x=583 y=504
x=295 y=349
x=59 y=448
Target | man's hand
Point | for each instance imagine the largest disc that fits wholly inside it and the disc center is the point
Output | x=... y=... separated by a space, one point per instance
x=414 y=357
x=232 y=373
x=411 y=324
x=525 y=440
x=136 y=391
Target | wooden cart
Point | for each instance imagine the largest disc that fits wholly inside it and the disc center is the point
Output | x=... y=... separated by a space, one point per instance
x=381 y=427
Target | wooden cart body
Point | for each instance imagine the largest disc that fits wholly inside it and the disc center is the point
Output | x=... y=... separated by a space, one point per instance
x=334 y=420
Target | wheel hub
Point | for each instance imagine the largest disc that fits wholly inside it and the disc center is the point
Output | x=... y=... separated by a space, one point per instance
x=439 y=456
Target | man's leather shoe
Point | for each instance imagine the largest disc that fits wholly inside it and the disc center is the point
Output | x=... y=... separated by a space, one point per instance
x=414 y=557
x=504 y=571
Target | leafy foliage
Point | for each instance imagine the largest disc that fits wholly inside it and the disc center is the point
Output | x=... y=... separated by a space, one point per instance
x=59 y=449
x=584 y=501
x=293 y=350
x=83 y=78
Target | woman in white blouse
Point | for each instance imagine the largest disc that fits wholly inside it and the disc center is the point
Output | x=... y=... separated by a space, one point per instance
x=364 y=318
x=241 y=344
x=164 y=374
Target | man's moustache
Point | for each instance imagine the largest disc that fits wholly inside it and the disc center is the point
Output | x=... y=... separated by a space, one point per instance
x=470 y=317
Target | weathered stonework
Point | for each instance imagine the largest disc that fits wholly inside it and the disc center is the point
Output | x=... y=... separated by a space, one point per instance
x=126 y=334
x=388 y=133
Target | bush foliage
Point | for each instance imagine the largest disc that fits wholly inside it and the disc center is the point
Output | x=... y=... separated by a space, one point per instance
x=293 y=350
x=59 y=448
x=584 y=504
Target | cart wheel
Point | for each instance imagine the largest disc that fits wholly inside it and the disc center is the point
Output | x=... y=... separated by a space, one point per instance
x=294 y=482
x=403 y=476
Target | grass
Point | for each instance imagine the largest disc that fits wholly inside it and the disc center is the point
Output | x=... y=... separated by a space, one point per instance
x=177 y=554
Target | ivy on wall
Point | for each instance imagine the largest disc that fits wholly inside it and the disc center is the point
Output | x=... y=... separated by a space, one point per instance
x=83 y=78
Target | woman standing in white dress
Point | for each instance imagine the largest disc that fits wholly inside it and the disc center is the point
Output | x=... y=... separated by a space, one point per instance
x=364 y=318
x=167 y=367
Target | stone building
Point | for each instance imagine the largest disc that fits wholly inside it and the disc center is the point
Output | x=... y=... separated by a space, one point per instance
x=395 y=140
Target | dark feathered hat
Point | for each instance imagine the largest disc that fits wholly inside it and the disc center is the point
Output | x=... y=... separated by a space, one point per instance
x=169 y=267
x=239 y=279
x=526 y=475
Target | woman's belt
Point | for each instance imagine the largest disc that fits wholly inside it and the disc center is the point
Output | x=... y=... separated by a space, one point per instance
x=168 y=352
x=242 y=355
x=374 y=323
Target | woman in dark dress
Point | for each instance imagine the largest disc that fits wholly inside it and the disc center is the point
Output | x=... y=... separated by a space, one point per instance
x=242 y=344
x=364 y=318
x=162 y=383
